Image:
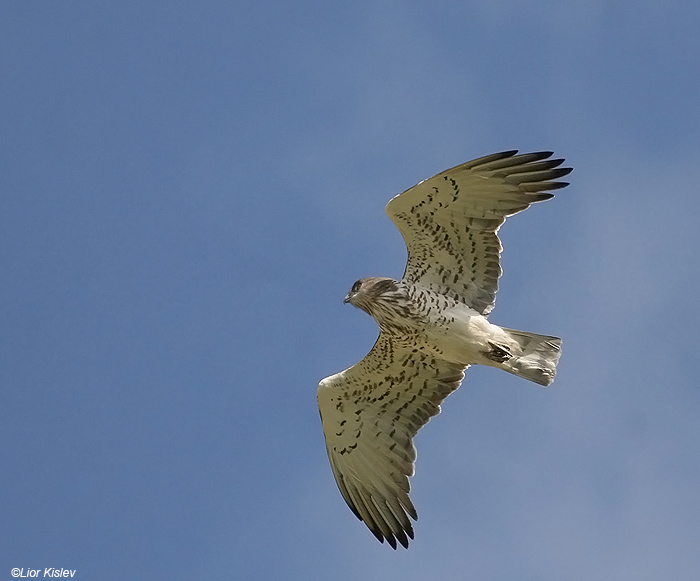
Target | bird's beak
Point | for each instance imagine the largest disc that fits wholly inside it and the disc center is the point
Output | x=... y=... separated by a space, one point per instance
x=347 y=298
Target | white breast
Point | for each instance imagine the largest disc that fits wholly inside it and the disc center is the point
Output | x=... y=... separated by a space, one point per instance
x=462 y=335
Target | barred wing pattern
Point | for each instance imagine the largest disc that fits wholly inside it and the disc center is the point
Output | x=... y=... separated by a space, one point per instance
x=450 y=221
x=370 y=413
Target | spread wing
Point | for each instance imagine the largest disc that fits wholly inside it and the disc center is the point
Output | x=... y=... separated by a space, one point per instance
x=449 y=222
x=370 y=414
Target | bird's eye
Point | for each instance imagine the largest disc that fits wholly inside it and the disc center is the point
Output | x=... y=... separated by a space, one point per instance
x=356 y=287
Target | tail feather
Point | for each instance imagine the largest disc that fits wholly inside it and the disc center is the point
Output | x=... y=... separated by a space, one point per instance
x=535 y=357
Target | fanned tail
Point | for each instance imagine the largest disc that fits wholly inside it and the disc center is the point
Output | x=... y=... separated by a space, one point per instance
x=537 y=356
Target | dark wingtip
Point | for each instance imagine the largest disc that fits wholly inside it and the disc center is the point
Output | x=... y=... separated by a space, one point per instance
x=565 y=170
x=379 y=536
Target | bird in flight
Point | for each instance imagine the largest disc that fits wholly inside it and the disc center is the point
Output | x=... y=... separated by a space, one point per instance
x=433 y=325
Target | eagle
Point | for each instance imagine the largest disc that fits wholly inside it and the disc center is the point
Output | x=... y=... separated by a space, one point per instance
x=433 y=325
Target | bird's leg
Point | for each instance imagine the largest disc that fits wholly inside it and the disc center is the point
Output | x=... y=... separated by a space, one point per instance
x=498 y=353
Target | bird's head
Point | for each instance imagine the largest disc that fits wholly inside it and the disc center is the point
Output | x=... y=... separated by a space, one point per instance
x=367 y=291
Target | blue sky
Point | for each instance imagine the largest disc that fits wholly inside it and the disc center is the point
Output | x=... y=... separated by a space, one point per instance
x=187 y=192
